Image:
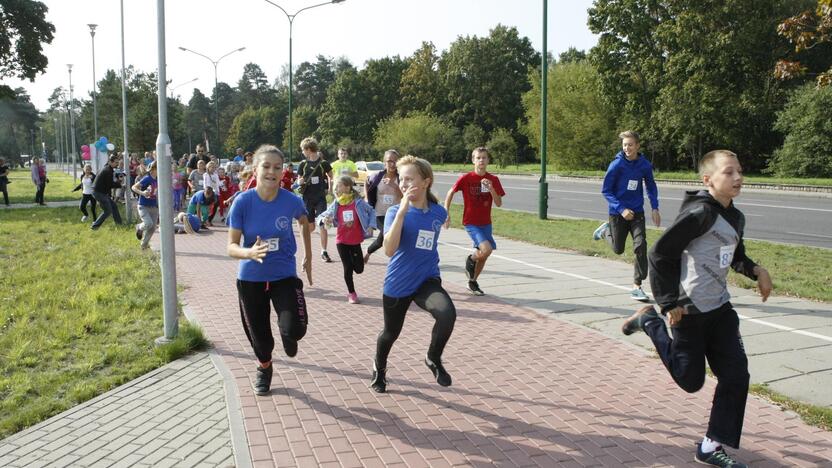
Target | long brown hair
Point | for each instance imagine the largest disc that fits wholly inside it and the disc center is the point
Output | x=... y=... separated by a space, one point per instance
x=425 y=170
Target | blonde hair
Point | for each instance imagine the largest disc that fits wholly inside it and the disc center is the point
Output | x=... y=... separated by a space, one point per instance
x=246 y=174
x=480 y=149
x=629 y=134
x=263 y=150
x=309 y=143
x=348 y=182
x=425 y=171
x=708 y=162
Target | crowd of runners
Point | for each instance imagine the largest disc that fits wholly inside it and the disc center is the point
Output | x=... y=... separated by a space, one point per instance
x=260 y=198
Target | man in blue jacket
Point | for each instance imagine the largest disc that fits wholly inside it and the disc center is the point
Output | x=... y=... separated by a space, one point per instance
x=624 y=192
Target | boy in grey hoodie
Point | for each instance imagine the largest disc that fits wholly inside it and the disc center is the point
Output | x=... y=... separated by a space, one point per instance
x=688 y=273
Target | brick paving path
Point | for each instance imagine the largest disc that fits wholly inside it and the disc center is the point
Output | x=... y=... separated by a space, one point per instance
x=528 y=390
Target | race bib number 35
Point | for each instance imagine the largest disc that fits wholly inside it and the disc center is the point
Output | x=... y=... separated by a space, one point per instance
x=274 y=244
x=632 y=184
x=726 y=255
x=425 y=239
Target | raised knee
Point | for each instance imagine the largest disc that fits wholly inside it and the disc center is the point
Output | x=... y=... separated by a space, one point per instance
x=692 y=385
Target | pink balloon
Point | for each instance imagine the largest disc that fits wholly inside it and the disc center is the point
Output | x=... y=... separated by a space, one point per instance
x=86 y=156
x=85 y=148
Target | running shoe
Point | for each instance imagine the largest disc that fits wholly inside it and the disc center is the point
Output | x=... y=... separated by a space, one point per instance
x=379 y=382
x=84 y=218
x=636 y=321
x=439 y=372
x=638 y=294
x=716 y=458
x=139 y=232
x=263 y=380
x=325 y=257
x=352 y=298
x=470 y=267
x=290 y=345
x=600 y=230
x=474 y=287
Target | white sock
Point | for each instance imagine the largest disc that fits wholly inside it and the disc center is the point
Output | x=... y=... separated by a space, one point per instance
x=709 y=445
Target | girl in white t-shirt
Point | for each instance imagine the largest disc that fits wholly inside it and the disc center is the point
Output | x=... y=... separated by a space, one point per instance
x=87 y=179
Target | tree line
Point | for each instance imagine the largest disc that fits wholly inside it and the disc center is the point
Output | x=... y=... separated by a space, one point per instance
x=689 y=76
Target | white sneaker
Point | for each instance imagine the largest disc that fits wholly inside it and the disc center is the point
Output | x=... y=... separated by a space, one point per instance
x=83 y=218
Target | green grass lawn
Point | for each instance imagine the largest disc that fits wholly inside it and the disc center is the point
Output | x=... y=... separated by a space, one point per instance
x=796 y=270
x=79 y=312
x=59 y=188
x=686 y=175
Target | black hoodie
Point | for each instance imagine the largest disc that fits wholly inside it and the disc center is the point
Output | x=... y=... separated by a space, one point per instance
x=689 y=263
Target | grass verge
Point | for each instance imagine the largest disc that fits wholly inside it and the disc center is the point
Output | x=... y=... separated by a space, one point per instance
x=59 y=188
x=798 y=271
x=817 y=416
x=677 y=175
x=79 y=313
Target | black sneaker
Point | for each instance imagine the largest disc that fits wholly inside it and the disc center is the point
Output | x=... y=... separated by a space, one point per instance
x=290 y=345
x=263 y=380
x=636 y=321
x=325 y=257
x=716 y=458
x=442 y=376
x=138 y=232
x=474 y=287
x=379 y=382
x=470 y=267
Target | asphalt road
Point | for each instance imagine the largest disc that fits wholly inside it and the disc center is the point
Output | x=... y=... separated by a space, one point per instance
x=787 y=217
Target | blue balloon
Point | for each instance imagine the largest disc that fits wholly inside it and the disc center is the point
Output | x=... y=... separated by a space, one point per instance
x=104 y=140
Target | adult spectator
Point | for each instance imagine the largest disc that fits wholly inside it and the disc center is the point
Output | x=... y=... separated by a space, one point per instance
x=200 y=155
x=239 y=156
x=39 y=179
x=104 y=184
x=4 y=180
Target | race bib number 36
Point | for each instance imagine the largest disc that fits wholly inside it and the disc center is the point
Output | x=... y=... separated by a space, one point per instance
x=425 y=239
x=274 y=244
x=726 y=255
x=632 y=184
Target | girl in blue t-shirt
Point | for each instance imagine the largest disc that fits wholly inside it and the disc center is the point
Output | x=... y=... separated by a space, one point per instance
x=411 y=236
x=260 y=235
x=147 y=188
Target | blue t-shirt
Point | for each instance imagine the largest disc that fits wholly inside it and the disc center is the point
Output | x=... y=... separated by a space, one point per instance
x=199 y=198
x=148 y=181
x=272 y=221
x=417 y=258
x=195 y=222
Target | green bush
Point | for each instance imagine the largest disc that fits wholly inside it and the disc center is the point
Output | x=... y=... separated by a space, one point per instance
x=806 y=122
x=421 y=134
x=502 y=147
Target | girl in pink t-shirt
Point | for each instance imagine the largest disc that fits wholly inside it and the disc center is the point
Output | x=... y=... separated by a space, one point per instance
x=354 y=219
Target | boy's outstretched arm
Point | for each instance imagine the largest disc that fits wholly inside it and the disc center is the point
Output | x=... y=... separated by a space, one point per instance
x=448 y=199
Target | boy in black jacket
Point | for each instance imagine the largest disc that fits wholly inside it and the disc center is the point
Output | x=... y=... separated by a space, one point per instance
x=688 y=272
x=102 y=188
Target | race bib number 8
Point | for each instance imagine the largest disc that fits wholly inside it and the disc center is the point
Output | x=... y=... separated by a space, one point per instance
x=425 y=239
x=726 y=255
x=632 y=184
x=347 y=215
x=274 y=244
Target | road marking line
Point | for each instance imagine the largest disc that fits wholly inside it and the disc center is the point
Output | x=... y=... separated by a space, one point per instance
x=810 y=235
x=624 y=288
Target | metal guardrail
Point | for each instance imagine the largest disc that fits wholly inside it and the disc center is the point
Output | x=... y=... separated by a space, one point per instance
x=755 y=185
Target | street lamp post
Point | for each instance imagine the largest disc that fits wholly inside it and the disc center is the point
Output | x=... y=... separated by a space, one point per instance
x=173 y=88
x=72 y=126
x=216 y=92
x=291 y=18
x=94 y=103
x=57 y=142
x=543 y=195
x=128 y=194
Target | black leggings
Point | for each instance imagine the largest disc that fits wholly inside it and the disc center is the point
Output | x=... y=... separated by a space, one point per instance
x=353 y=261
x=88 y=198
x=5 y=193
x=431 y=297
x=39 y=192
x=379 y=242
x=287 y=297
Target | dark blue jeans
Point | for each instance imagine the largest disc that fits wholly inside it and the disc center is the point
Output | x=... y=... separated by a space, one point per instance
x=714 y=335
x=108 y=207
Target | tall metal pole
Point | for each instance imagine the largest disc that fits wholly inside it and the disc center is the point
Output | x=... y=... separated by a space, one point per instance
x=94 y=85
x=217 y=110
x=57 y=142
x=544 y=84
x=65 y=133
x=165 y=196
x=72 y=128
x=128 y=194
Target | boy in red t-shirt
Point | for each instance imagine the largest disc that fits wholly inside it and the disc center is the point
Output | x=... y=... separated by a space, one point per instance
x=479 y=189
x=288 y=178
x=226 y=191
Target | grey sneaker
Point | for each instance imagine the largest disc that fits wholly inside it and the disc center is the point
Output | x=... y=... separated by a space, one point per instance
x=638 y=294
x=600 y=230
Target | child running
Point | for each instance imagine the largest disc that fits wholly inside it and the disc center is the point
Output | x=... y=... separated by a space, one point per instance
x=412 y=234
x=479 y=190
x=625 y=194
x=354 y=220
x=87 y=179
x=147 y=188
x=688 y=272
x=260 y=235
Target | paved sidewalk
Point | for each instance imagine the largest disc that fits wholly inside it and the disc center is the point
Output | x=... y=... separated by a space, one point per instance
x=528 y=389
x=173 y=416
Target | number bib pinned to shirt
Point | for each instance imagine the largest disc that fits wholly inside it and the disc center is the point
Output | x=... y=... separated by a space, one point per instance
x=425 y=239
x=387 y=199
x=348 y=216
x=314 y=180
x=726 y=255
x=632 y=184
x=274 y=244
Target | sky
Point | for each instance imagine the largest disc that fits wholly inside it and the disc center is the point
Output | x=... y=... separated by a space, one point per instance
x=356 y=29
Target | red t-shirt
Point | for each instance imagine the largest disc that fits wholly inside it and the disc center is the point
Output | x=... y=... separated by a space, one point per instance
x=289 y=177
x=352 y=235
x=477 y=204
